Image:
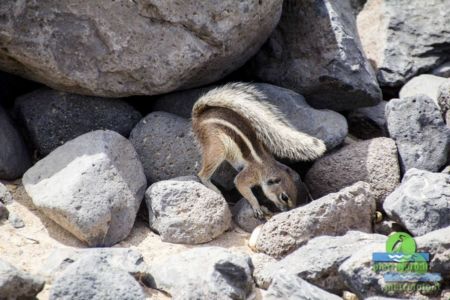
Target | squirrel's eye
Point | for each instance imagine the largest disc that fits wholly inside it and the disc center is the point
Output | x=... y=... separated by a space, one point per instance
x=284 y=197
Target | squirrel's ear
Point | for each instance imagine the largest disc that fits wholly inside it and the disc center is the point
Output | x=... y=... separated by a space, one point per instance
x=294 y=174
x=273 y=181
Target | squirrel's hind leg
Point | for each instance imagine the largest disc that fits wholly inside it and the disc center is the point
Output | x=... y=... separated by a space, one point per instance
x=212 y=158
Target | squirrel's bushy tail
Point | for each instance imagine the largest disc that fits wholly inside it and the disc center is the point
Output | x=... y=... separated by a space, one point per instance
x=271 y=127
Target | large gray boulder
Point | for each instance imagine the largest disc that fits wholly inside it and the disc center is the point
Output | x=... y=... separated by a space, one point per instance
x=143 y=47
x=318 y=261
x=373 y=161
x=16 y=284
x=92 y=186
x=327 y=125
x=422 y=202
x=182 y=210
x=98 y=275
x=204 y=273
x=167 y=149
x=53 y=118
x=329 y=215
x=422 y=138
x=14 y=156
x=315 y=50
x=289 y=286
x=403 y=38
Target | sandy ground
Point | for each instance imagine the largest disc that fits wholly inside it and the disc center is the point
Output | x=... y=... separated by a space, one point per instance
x=29 y=247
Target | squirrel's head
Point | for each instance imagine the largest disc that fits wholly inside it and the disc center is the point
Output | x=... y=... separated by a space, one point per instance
x=281 y=187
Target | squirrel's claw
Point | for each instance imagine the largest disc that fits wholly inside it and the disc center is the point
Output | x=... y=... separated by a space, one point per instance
x=258 y=213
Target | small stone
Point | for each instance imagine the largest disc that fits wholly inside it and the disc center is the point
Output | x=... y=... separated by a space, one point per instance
x=182 y=210
x=15 y=221
x=92 y=186
x=16 y=284
x=204 y=273
x=244 y=217
x=373 y=161
x=288 y=231
x=5 y=195
x=292 y=287
x=422 y=138
x=421 y=203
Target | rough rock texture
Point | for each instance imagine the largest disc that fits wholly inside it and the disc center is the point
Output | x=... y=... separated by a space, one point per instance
x=15 y=221
x=286 y=286
x=53 y=118
x=443 y=100
x=125 y=259
x=443 y=70
x=437 y=244
x=425 y=84
x=422 y=202
x=16 y=284
x=5 y=195
x=204 y=273
x=244 y=216
x=403 y=38
x=358 y=274
x=14 y=157
x=368 y=122
x=182 y=210
x=316 y=51
x=97 y=275
x=329 y=215
x=318 y=261
x=327 y=125
x=167 y=149
x=260 y=262
x=373 y=161
x=422 y=138
x=92 y=186
x=134 y=47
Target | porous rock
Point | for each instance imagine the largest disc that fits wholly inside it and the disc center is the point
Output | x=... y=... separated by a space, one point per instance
x=92 y=186
x=244 y=216
x=315 y=50
x=182 y=210
x=53 y=118
x=425 y=84
x=422 y=138
x=204 y=273
x=373 y=161
x=142 y=47
x=288 y=231
x=16 y=284
x=422 y=202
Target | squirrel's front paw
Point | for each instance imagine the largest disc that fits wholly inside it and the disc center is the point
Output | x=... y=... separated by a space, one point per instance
x=258 y=213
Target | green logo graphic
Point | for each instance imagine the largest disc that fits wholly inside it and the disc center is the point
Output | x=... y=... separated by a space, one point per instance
x=401 y=242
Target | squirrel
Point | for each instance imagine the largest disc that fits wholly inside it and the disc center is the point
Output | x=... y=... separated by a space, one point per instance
x=235 y=123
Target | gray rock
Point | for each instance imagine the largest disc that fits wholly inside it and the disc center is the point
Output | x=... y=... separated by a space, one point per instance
x=97 y=275
x=368 y=122
x=404 y=38
x=421 y=203
x=327 y=125
x=14 y=157
x=373 y=161
x=204 y=273
x=286 y=286
x=329 y=215
x=315 y=50
x=5 y=195
x=126 y=259
x=422 y=138
x=16 y=284
x=182 y=210
x=437 y=244
x=442 y=70
x=4 y=213
x=260 y=262
x=358 y=274
x=53 y=118
x=244 y=216
x=318 y=261
x=92 y=186
x=443 y=100
x=424 y=84
x=15 y=221
x=167 y=149
x=141 y=47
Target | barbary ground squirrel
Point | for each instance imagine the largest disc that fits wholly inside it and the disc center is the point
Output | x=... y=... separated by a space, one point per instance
x=236 y=124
